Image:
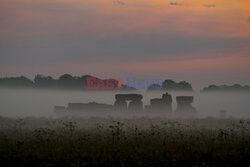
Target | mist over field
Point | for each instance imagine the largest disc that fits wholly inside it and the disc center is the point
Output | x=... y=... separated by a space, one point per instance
x=40 y=103
x=34 y=133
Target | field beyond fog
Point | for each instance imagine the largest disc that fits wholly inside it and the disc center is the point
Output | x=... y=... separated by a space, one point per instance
x=124 y=142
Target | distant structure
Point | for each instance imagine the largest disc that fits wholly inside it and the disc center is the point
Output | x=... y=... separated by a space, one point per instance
x=184 y=106
x=135 y=102
x=60 y=109
x=78 y=107
x=161 y=104
x=223 y=114
x=92 y=106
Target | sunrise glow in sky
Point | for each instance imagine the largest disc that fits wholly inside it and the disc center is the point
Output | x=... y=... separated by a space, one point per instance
x=201 y=41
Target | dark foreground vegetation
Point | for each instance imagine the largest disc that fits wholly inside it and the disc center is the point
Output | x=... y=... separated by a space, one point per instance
x=124 y=142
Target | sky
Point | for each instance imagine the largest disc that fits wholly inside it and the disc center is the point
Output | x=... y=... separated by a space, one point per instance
x=200 y=41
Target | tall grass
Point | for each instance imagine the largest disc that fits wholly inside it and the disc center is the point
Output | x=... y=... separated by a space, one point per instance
x=124 y=142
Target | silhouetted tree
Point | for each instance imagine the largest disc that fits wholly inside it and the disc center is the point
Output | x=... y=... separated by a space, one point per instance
x=224 y=88
x=44 y=81
x=16 y=82
x=155 y=87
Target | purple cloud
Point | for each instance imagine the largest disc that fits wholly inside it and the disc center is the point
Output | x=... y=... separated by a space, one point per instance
x=175 y=4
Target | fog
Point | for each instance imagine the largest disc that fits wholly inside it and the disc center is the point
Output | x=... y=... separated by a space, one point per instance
x=40 y=103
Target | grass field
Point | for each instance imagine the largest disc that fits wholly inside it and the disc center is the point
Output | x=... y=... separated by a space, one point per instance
x=124 y=142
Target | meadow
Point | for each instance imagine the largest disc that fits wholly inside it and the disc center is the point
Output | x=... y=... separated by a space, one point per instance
x=124 y=142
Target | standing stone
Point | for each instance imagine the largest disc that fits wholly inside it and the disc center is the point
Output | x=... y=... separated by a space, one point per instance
x=167 y=100
x=184 y=106
x=120 y=103
x=162 y=104
x=134 y=105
